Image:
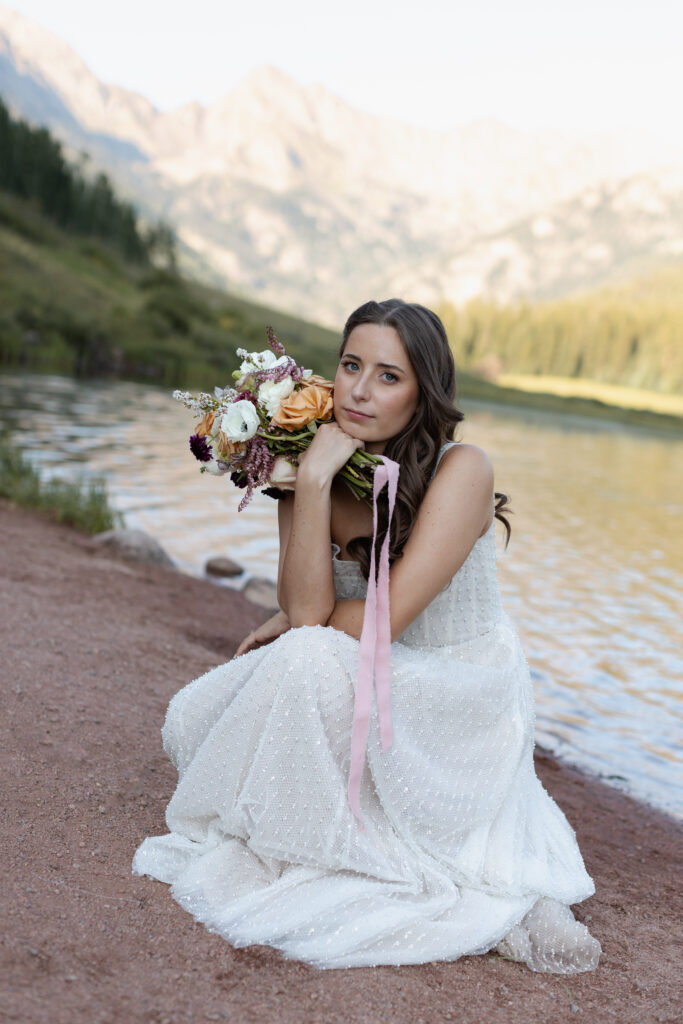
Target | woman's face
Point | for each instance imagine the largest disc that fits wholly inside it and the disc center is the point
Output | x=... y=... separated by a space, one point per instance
x=375 y=388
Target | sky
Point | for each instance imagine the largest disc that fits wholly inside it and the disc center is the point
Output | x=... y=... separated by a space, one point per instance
x=580 y=66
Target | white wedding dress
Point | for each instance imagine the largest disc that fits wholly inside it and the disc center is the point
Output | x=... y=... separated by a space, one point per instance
x=462 y=852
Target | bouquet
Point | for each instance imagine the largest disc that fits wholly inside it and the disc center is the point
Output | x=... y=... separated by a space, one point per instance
x=257 y=429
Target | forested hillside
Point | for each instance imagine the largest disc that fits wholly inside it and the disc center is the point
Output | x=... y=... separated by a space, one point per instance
x=87 y=289
x=70 y=304
x=33 y=167
x=630 y=335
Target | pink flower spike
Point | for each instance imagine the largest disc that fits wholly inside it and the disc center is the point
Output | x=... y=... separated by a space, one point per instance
x=277 y=346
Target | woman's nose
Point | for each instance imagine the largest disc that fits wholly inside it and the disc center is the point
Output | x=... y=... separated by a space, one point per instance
x=360 y=390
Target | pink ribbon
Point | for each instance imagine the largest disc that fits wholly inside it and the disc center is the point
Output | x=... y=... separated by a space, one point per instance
x=375 y=643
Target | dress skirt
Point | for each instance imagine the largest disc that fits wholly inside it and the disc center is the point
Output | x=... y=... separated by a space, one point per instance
x=462 y=851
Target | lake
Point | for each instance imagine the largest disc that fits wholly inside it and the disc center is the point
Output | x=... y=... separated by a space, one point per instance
x=592 y=576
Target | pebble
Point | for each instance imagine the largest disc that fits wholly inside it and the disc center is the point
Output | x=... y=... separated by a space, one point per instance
x=262 y=592
x=222 y=566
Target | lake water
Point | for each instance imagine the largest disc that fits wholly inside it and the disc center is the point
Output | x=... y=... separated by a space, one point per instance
x=592 y=577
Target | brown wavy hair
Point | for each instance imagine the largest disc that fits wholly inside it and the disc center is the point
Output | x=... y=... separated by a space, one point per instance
x=416 y=447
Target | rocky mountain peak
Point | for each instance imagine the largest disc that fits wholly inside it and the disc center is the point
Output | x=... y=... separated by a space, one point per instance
x=286 y=192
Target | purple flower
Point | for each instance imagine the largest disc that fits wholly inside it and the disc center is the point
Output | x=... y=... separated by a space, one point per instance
x=200 y=449
x=255 y=470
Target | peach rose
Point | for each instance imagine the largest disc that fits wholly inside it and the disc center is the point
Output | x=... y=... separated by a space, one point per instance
x=315 y=380
x=313 y=402
x=228 y=448
x=205 y=425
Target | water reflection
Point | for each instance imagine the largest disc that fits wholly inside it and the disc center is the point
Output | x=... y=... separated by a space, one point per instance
x=592 y=576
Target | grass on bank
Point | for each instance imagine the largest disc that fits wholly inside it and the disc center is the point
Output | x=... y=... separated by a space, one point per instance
x=609 y=394
x=538 y=397
x=84 y=505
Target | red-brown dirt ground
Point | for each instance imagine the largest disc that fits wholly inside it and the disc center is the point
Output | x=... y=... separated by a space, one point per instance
x=92 y=649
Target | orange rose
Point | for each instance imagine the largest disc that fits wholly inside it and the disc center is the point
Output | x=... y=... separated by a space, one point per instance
x=226 y=448
x=205 y=425
x=313 y=402
x=315 y=380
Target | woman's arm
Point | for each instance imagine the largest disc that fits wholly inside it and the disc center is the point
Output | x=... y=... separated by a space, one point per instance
x=306 y=590
x=305 y=586
x=456 y=508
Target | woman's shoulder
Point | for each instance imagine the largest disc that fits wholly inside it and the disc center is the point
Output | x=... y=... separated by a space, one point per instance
x=464 y=471
x=461 y=458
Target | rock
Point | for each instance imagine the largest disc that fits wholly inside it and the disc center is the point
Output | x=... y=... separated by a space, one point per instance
x=135 y=545
x=262 y=592
x=223 y=567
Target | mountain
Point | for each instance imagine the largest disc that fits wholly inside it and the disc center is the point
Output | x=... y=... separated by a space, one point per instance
x=286 y=194
x=614 y=230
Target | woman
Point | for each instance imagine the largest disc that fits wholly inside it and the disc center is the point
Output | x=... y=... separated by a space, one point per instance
x=461 y=850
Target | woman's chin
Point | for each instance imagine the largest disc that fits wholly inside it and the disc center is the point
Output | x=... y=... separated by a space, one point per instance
x=365 y=432
x=371 y=443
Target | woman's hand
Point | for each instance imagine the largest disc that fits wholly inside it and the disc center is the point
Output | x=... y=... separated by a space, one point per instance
x=265 y=634
x=329 y=451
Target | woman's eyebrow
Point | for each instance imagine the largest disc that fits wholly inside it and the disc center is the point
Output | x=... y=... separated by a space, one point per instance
x=387 y=366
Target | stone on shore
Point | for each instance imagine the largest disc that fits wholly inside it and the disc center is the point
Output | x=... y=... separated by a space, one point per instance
x=262 y=592
x=222 y=567
x=134 y=545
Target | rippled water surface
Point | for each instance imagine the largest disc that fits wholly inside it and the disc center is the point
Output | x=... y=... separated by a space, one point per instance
x=592 y=577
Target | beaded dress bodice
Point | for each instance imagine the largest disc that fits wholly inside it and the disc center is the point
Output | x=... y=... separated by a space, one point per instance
x=467 y=607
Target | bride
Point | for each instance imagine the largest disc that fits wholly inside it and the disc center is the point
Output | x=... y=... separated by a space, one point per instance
x=445 y=843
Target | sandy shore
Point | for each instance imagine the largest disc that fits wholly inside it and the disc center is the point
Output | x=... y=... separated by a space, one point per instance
x=92 y=650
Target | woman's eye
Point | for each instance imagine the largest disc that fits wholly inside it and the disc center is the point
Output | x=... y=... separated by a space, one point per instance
x=353 y=366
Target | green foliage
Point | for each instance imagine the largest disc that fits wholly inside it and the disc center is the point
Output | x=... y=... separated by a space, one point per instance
x=33 y=167
x=160 y=243
x=83 y=505
x=631 y=335
x=72 y=305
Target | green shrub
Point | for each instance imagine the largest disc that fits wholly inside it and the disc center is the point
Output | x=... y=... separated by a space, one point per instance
x=81 y=504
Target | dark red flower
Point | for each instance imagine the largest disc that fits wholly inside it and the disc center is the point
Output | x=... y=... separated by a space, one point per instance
x=200 y=449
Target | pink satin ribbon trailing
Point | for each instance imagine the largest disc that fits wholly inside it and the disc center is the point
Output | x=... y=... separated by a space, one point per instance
x=375 y=643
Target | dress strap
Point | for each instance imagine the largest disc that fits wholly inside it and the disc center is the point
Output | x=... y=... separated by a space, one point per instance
x=444 y=449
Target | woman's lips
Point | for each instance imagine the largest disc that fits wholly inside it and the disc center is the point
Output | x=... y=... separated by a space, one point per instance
x=357 y=415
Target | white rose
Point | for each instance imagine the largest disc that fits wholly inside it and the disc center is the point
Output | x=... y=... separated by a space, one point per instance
x=272 y=392
x=240 y=422
x=283 y=475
